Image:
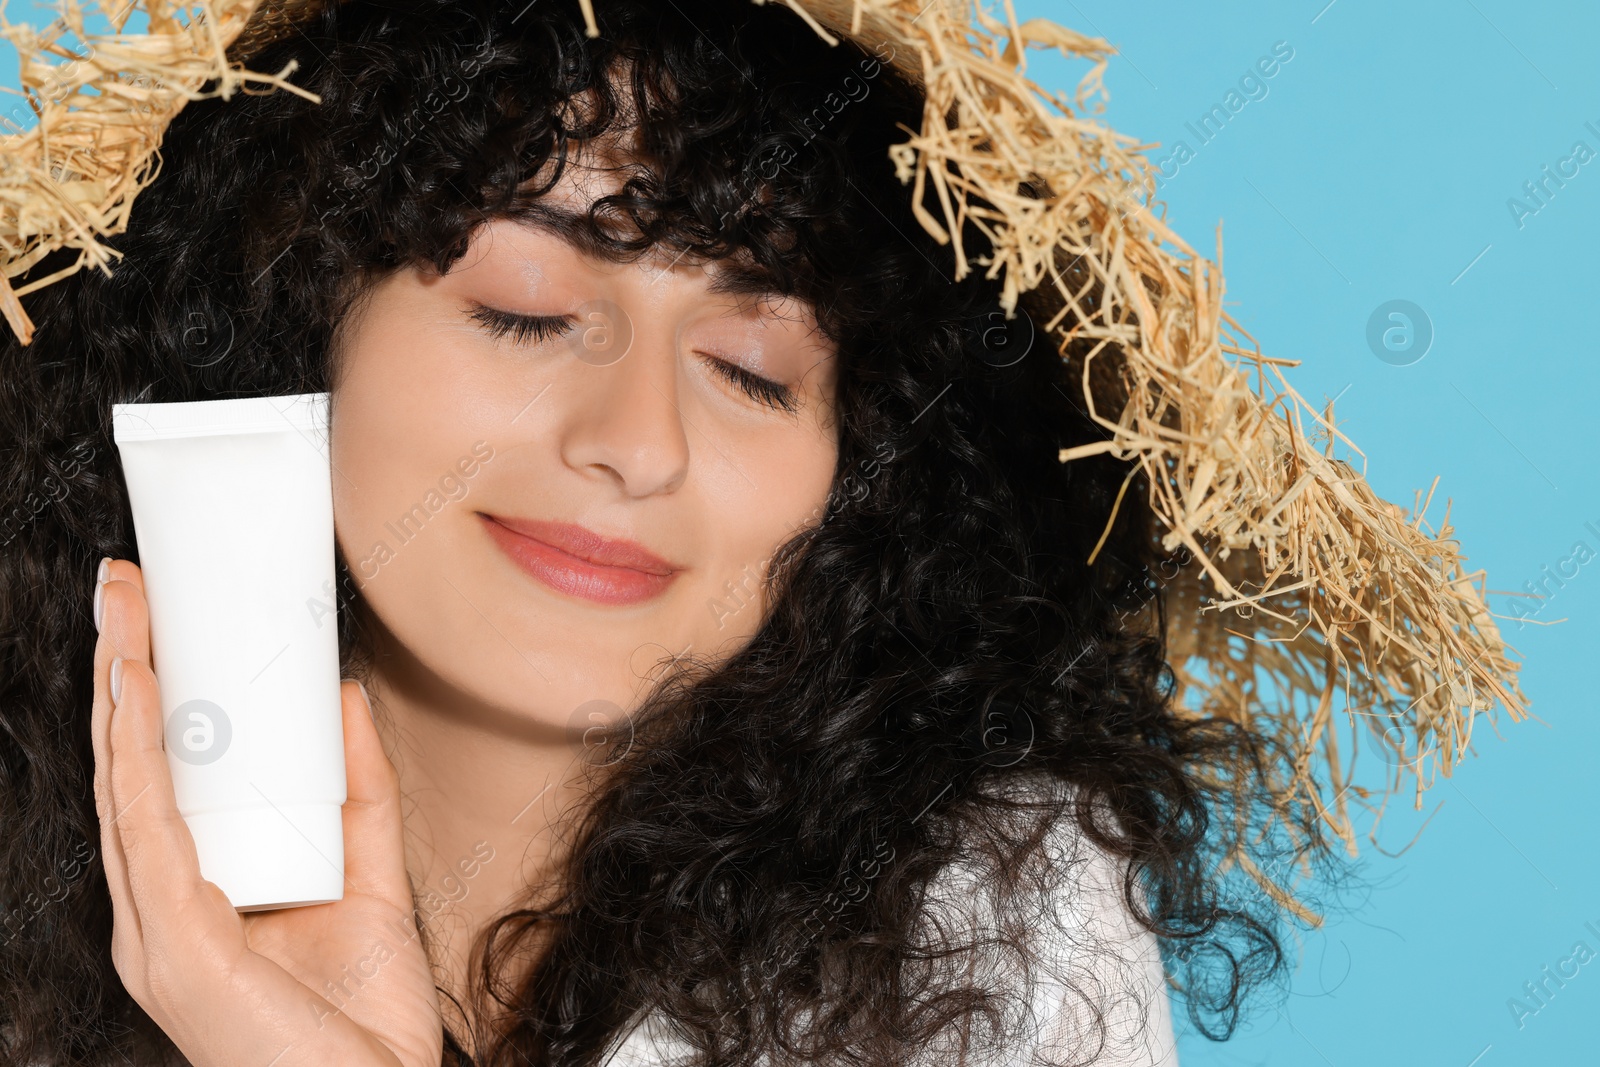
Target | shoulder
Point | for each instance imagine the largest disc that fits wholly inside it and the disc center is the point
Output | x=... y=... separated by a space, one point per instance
x=1051 y=932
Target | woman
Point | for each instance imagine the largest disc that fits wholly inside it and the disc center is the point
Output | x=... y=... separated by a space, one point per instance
x=752 y=696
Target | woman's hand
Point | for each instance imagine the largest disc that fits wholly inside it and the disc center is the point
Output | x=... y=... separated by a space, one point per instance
x=233 y=990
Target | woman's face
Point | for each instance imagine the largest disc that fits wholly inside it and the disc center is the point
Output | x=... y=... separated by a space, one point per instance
x=472 y=470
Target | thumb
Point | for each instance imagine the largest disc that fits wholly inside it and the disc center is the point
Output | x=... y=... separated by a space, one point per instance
x=374 y=839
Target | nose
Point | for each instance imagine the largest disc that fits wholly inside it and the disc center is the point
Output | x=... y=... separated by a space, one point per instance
x=624 y=421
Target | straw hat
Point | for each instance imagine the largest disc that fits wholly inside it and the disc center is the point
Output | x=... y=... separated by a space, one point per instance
x=1296 y=587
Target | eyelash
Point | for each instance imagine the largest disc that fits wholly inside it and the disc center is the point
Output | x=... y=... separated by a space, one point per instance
x=522 y=328
x=761 y=390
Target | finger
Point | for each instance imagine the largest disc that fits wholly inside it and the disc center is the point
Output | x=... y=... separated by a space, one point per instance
x=125 y=570
x=124 y=613
x=127 y=630
x=185 y=920
x=374 y=837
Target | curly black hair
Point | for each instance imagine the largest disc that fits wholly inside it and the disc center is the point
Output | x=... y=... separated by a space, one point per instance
x=938 y=633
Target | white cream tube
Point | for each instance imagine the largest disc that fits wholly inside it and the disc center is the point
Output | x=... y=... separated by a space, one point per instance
x=233 y=514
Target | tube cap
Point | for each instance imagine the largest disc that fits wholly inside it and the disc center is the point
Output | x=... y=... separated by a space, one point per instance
x=281 y=856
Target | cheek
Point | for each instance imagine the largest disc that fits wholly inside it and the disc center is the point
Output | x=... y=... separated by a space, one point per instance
x=783 y=489
x=398 y=441
x=796 y=494
x=787 y=484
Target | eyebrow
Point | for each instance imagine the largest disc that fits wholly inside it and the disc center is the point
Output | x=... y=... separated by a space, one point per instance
x=731 y=277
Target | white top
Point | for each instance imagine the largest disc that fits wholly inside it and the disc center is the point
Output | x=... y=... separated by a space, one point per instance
x=1082 y=935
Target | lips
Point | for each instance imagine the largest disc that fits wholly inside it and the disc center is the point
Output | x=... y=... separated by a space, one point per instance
x=575 y=560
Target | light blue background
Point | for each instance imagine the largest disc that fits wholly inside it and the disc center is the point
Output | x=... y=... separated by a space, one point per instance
x=1378 y=167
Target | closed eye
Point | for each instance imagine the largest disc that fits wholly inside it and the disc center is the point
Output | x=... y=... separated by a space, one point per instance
x=522 y=328
x=762 y=390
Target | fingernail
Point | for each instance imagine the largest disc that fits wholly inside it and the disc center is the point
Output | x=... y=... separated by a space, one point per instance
x=116 y=681
x=99 y=589
x=364 y=696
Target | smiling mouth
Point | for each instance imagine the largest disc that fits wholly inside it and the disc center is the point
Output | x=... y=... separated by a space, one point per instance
x=566 y=572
